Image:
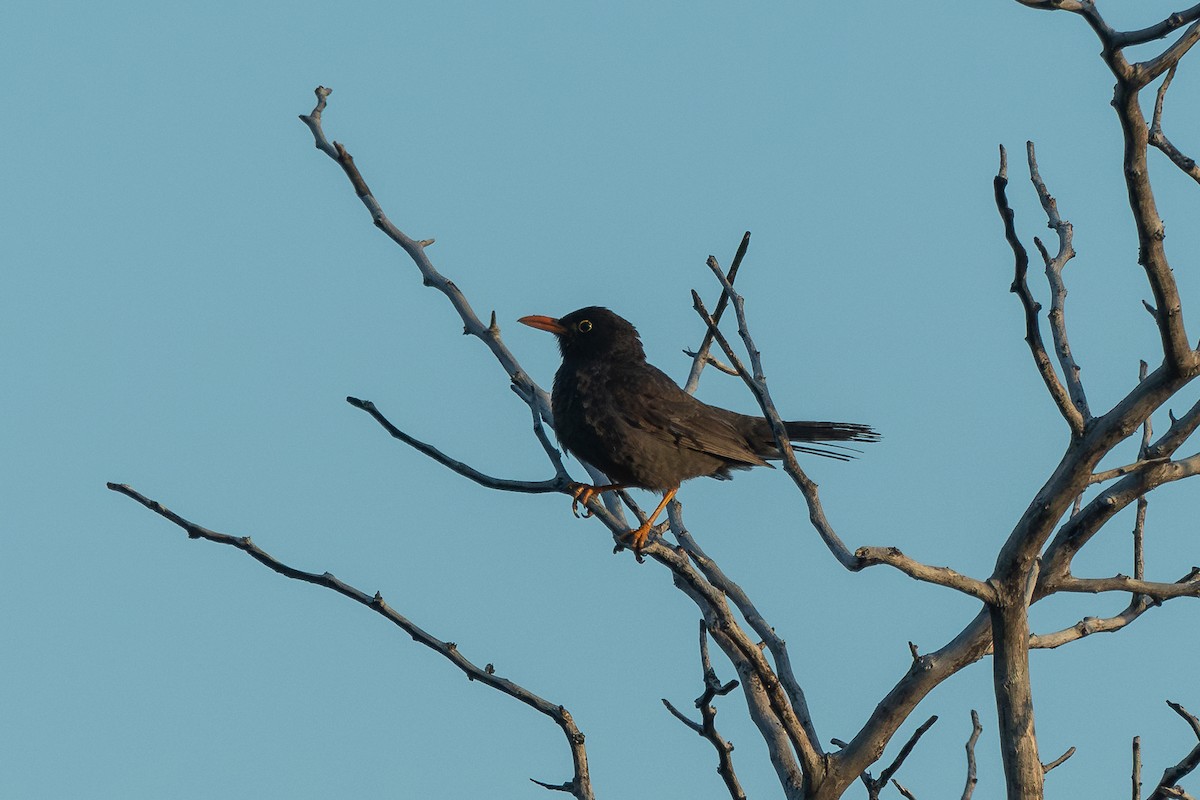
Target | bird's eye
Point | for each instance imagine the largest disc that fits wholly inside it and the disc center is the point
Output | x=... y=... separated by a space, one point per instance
x=584 y=325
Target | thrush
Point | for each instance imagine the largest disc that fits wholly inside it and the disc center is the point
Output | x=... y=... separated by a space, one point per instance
x=627 y=418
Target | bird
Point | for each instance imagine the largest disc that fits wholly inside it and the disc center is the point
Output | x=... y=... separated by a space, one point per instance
x=624 y=416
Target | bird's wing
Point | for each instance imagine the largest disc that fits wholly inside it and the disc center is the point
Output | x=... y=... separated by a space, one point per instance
x=663 y=410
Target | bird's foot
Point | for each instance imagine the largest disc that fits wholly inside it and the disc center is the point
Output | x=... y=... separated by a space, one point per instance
x=582 y=493
x=636 y=539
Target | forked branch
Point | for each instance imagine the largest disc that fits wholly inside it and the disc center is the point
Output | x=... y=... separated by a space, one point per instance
x=701 y=357
x=1071 y=412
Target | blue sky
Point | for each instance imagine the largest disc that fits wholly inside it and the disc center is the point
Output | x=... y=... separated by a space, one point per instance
x=191 y=290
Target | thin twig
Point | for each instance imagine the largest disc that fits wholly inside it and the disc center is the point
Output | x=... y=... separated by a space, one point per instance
x=707 y=726
x=701 y=357
x=713 y=362
x=415 y=248
x=1172 y=775
x=1159 y=139
x=1125 y=469
x=1058 y=288
x=875 y=785
x=940 y=576
x=1139 y=521
x=807 y=487
x=1136 y=776
x=972 y=777
x=558 y=483
x=580 y=784
x=1058 y=761
x=1188 y=587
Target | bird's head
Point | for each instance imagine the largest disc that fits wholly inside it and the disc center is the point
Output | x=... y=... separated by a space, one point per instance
x=591 y=333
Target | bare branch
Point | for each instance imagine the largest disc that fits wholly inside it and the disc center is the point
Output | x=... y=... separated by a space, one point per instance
x=775 y=645
x=972 y=778
x=941 y=576
x=1058 y=761
x=557 y=484
x=684 y=718
x=561 y=483
x=701 y=357
x=768 y=711
x=1020 y=287
x=1122 y=471
x=1089 y=625
x=1058 y=289
x=1156 y=31
x=1188 y=587
x=580 y=784
x=1136 y=776
x=415 y=249
x=1053 y=5
x=808 y=488
x=1189 y=718
x=713 y=362
x=1179 y=432
x=1147 y=71
x=1080 y=528
x=1177 y=352
x=1171 y=776
x=707 y=727
x=1138 y=604
x=1131 y=78
x=1159 y=139
x=875 y=785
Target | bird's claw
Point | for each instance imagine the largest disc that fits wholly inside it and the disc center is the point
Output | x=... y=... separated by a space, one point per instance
x=636 y=539
x=581 y=493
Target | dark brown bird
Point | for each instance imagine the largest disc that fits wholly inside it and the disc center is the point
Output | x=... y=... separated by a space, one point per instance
x=627 y=418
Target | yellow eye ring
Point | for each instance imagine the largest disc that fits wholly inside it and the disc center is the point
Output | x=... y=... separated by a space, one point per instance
x=584 y=325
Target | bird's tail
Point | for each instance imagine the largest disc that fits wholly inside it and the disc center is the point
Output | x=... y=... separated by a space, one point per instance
x=827 y=433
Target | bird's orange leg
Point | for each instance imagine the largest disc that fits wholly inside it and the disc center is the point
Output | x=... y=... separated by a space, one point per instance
x=582 y=493
x=638 y=536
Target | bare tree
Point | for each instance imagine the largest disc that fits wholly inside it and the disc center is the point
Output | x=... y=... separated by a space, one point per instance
x=1075 y=502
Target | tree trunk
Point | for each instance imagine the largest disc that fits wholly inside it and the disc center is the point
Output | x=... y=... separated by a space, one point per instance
x=1014 y=698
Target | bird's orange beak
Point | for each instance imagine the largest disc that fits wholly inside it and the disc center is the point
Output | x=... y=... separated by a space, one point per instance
x=544 y=323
